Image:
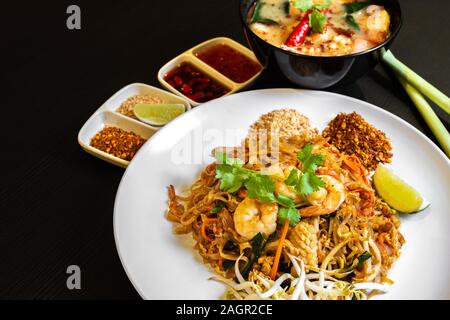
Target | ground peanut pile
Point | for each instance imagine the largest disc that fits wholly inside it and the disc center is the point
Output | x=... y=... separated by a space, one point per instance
x=287 y=122
x=351 y=134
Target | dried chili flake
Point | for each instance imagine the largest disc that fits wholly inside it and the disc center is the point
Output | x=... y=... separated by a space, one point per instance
x=353 y=135
x=117 y=142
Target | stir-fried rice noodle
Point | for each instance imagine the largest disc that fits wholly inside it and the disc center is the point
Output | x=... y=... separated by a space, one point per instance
x=321 y=255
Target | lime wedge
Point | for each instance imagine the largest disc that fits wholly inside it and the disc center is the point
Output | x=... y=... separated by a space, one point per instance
x=157 y=114
x=398 y=194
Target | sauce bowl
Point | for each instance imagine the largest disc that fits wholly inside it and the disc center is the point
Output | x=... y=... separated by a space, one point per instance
x=320 y=72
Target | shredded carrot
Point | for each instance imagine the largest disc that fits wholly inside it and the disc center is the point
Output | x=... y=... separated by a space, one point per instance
x=203 y=229
x=276 y=261
x=220 y=263
x=355 y=165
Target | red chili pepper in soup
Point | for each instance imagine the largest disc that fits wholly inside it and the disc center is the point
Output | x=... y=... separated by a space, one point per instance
x=297 y=36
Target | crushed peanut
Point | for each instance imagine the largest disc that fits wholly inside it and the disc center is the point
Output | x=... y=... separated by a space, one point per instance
x=353 y=135
x=118 y=142
x=127 y=107
x=287 y=122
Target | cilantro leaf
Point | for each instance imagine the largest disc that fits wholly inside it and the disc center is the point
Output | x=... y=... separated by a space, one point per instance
x=261 y=187
x=292 y=180
x=309 y=160
x=231 y=182
x=285 y=201
x=317 y=21
x=305 y=5
x=232 y=178
x=289 y=213
x=309 y=183
x=325 y=4
x=355 y=6
x=316 y=160
x=230 y=172
x=222 y=158
x=305 y=153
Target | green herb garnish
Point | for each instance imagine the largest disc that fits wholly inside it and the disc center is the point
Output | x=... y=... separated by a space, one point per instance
x=285 y=201
x=257 y=17
x=231 y=173
x=357 y=263
x=310 y=161
x=305 y=5
x=355 y=6
x=307 y=181
x=261 y=187
x=258 y=243
x=317 y=21
x=351 y=22
x=363 y=257
x=233 y=177
x=292 y=214
x=292 y=180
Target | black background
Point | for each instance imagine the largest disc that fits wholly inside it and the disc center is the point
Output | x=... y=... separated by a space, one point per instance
x=56 y=202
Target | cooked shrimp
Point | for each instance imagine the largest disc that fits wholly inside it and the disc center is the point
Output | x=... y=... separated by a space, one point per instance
x=377 y=23
x=326 y=200
x=285 y=190
x=282 y=189
x=252 y=217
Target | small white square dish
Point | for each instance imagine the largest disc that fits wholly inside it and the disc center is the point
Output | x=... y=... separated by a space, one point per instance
x=198 y=58
x=108 y=116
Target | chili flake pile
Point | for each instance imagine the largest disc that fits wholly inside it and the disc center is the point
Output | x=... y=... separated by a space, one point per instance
x=353 y=135
x=118 y=142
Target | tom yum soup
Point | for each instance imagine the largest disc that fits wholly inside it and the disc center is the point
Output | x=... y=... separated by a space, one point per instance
x=320 y=27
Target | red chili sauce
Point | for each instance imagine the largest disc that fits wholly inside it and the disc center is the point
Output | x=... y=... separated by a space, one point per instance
x=230 y=62
x=194 y=84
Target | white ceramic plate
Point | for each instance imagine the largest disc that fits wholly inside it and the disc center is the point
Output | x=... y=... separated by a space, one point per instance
x=162 y=265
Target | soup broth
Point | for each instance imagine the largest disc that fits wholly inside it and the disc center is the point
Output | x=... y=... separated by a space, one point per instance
x=320 y=27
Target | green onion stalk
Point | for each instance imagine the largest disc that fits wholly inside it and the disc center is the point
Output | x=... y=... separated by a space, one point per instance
x=411 y=83
x=417 y=81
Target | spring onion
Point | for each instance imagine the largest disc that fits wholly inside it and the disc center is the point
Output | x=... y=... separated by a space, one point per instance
x=417 y=81
x=432 y=120
x=415 y=86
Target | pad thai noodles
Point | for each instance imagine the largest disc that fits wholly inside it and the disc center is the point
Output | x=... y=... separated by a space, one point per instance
x=292 y=218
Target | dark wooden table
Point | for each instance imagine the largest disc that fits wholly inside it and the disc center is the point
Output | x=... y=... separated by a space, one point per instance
x=56 y=202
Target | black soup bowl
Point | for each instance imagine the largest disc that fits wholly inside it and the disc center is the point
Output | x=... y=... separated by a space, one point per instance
x=320 y=72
